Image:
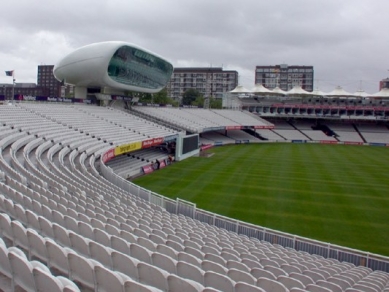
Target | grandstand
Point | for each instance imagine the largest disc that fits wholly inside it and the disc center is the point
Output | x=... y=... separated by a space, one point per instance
x=69 y=223
x=346 y=132
x=202 y=120
x=374 y=133
x=131 y=165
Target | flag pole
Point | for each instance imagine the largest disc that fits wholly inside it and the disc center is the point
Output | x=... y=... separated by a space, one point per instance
x=13 y=86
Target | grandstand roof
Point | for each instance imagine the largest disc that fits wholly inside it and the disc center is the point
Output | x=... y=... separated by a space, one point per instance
x=339 y=91
x=279 y=91
x=298 y=90
x=361 y=93
x=384 y=92
x=240 y=89
x=259 y=88
x=318 y=92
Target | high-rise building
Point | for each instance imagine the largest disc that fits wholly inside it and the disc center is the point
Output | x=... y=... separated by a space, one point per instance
x=46 y=79
x=210 y=81
x=284 y=76
x=384 y=83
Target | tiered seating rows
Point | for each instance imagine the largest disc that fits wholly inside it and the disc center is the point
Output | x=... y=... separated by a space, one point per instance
x=241 y=135
x=196 y=120
x=89 y=220
x=291 y=134
x=129 y=165
x=317 y=135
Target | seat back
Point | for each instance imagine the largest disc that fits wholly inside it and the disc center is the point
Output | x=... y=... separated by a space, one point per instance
x=107 y=280
x=244 y=287
x=5 y=267
x=153 y=276
x=46 y=282
x=37 y=245
x=189 y=271
x=5 y=227
x=20 y=235
x=271 y=285
x=79 y=243
x=164 y=262
x=125 y=264
x=290 y=282
x=21 y=270
x=140 y=253
x=178 y=284
x=241 y=276
x=82 y=270
x=57 y=256
x=101 y=254
x=218 y=281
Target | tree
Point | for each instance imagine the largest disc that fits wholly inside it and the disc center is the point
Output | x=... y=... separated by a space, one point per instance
x=199 y=101
x=143 y=97
x=216 y=103
x=190 y=96
x=162 y=98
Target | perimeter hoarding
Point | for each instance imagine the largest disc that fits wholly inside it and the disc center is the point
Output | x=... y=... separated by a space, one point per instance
x=128 y=148
x=125 y=148
x=152 y=142
x=108 y=155
x=233 y=127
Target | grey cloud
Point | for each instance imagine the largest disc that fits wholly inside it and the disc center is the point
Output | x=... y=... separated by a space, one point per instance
x=345 y=40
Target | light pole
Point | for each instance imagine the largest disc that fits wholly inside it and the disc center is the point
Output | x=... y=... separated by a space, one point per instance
x=13 y=88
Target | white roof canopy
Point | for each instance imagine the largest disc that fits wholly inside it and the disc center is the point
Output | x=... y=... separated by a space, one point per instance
x=384 y=92
x=240 y=89
x=298 y=90
x=279 y=91
x=339 y=91
x=361 y=93
x=318 y=92
x=259 y=88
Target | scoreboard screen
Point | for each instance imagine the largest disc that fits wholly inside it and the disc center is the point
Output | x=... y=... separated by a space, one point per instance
x=190 y=143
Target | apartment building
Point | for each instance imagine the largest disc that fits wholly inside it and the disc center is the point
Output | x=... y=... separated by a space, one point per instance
x=210 y=81
x=384 y=83
x=46 y=79
x=285 y=77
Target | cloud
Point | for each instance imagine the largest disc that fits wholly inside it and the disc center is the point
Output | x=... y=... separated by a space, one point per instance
x=345 y=41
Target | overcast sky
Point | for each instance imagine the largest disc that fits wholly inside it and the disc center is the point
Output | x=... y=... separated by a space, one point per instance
x=345 y=40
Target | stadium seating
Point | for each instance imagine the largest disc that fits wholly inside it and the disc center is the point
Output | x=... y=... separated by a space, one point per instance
x=374 y=133
x=64 y=227
x=198 y=120
x=128 y=166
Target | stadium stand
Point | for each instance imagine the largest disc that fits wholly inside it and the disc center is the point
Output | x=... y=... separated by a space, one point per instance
x=309 y=130
x=130 y=165
x=200 y=120
x=287 y=131
x=346 y=132
x=374 y=133
x=217 y=137
x=65 y=227
x=242 y=136
x=269 y=135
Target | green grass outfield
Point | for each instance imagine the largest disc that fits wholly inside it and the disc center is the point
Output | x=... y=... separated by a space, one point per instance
x=333 y=193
